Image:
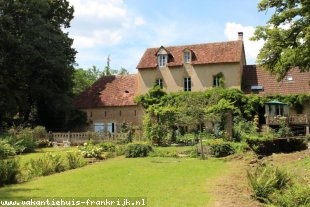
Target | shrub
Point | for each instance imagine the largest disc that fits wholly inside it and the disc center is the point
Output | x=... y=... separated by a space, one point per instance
x=266 y=146
x=25 y=139
x=39 y=132
x=120 y=150
x=137 y=150
x=75 y=160
x=265 y=180
x=89 y=150
x=6 y=150
x=108 y=147
x=297 y=195
x=9 y=170
x=46 y=165
x=219 y=147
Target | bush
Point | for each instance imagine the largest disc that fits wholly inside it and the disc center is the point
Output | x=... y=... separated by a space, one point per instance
x=46 y=165
x=9 y=170
x=25 y=139
x=297 y=195
x=75 y=160
x=137 y=150
x=39 y=132
x=108 y=147
x=265 y=180
x=219 y=147
x=266 y=146
x=6 y=150
x=120 y=150
x=89 y=150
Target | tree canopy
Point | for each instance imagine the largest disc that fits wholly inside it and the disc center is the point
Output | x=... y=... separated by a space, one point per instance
x=36 y=61
x=286 y=36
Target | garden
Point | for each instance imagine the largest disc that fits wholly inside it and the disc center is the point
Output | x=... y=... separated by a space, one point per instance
x=182 y=163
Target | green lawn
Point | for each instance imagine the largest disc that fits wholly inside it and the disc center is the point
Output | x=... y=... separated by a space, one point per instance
x=40 y=152
x=163 y=181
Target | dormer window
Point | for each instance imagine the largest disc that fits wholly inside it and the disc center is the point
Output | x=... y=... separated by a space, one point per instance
x=187 y=56
x=162 y=60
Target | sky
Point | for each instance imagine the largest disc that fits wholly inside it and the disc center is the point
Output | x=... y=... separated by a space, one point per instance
x=124 y=29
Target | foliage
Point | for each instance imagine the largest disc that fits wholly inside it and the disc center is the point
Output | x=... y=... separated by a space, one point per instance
x=36 y=61
x=9 y=170
x=108 y=147
x=6 y=150
x=25 y=139
x=296 y=195
x=89 y=150
x=284 y=130
x=286 y=36
x=137 y=150
x=46 y=165
x=221 y=149
x=187 y=138
x=75 y=160
x=243 y=128
x=120 y=150
x=265 y=180
x=264 y=145
x=39 y=132
x=127 y=128
x=152 y=97
x=82 y=79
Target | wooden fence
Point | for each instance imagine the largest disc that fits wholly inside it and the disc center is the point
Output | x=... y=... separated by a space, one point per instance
x=82 y=137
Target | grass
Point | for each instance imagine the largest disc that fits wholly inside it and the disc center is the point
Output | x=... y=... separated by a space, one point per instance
x=39 y=152
x=163 y=181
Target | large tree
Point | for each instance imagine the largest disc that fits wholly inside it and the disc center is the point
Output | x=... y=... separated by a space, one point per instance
x=287 y=36
x=36 y=61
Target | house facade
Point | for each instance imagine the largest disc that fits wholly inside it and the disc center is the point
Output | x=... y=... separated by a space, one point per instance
x=109 y=102
x=192 y=67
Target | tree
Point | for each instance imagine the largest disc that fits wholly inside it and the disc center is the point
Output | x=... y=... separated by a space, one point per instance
x=287 y=36
x=36 y=61
x=83 y=79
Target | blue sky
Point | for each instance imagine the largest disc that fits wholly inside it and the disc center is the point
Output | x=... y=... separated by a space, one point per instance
x=125 y=28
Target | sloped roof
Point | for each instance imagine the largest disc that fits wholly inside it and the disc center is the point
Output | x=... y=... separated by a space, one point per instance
x=221 y=52
x=109 y=91
x=295 y=82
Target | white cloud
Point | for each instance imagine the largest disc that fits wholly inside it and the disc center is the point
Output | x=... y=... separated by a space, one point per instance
x=251 y=47
x=101 y=23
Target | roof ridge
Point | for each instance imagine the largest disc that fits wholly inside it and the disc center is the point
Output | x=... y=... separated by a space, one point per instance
x=198 y=44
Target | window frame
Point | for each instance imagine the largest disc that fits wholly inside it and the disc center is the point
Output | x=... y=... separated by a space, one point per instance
x=162 y=60
x=159 y=82
x=187 y=84
x=187 y=56
x=111 y=127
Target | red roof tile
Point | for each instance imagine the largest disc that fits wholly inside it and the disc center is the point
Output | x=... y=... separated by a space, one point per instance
x=110 y=91
x=222 y=52
x=254 y=76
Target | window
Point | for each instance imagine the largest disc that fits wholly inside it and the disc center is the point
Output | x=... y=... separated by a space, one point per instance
x=135 y=112
x=120 y=113
x=187 y=57
x=111 y=127
x=187 y=84
x=216 y=81
x=159 y=82
x=279 y=110
x=99 y=127
x=162 y=60
x=290 y=78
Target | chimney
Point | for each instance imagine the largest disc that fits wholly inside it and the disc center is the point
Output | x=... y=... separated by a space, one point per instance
x=240 y=35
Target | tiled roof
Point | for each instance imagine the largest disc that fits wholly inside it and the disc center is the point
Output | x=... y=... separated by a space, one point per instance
x=295 y=82
x=109 y=91
x=222 y=52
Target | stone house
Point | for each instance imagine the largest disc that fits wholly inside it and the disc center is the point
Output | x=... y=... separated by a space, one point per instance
x=109 y=102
